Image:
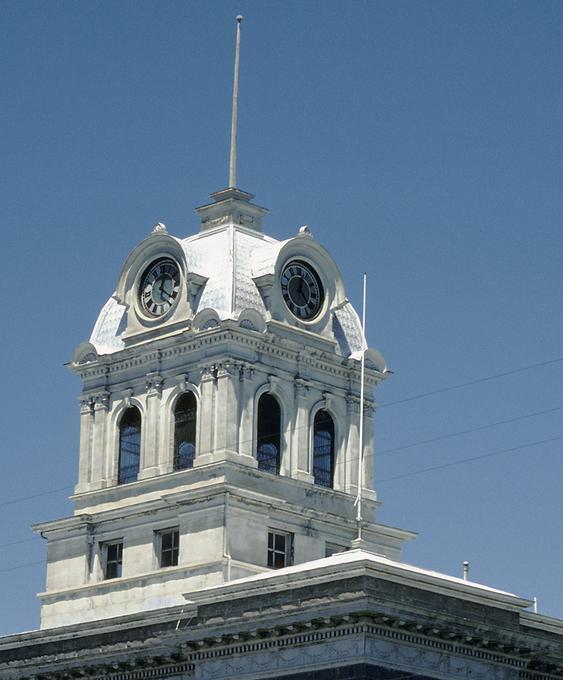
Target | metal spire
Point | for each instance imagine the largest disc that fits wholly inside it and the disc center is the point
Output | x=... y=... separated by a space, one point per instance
x=233 y=159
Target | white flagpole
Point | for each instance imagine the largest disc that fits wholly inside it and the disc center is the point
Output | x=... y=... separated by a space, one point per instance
x=233 y=158
x=361 y=443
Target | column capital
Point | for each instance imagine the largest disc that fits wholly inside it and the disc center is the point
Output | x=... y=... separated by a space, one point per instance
x=225 y=369
x=86 y=405
x=101 y=400
x=352 y=404
x=246 y=371
x=208 y=372
x=153 y=384
x=301 y=387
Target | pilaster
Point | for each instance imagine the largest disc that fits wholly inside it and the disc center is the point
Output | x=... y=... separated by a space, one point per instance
x=101 y=453
x=85 y=456
x=150 y=455
x=301 y=436
x=368 y=467
x=246 y=410
x=206 y=414
x=352 y=445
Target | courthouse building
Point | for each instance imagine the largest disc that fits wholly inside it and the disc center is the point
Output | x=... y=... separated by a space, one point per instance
x=223 y=448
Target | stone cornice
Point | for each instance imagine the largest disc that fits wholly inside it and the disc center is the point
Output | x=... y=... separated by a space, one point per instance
x=147 y=357
x=210 y=481
x=185 y=640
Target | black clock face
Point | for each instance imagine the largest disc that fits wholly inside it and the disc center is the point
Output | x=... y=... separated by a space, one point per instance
x=159 y=288
x=302 y=290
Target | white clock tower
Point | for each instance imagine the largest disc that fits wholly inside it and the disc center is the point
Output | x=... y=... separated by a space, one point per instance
x=220 y=420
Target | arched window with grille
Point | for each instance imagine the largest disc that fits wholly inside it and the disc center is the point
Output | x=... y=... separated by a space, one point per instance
x=323 y=449
x=185 y=418
x=129 y=446
x=268 y=446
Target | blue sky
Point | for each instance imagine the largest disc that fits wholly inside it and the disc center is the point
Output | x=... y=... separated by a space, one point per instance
x=421 y=142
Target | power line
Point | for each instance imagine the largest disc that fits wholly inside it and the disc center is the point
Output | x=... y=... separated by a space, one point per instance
x=23 y=540
x=473 y=429
x=468 y=460
x=21 y=566
x=352 y=459
x=36 y=495
x=470 y=382
x=381 y=481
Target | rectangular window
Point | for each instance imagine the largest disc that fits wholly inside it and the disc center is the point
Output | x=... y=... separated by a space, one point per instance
x=280 y=550
x=113 y=562
x=169 y=547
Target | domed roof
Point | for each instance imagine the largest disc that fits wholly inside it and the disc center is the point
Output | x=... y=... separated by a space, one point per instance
x=234 y=268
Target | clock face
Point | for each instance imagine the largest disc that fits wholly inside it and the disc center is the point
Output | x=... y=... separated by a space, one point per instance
x=159 y=288
x=302 y=289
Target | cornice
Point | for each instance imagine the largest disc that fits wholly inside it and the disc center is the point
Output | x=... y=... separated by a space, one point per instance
x=154 y=354
x=192 y=642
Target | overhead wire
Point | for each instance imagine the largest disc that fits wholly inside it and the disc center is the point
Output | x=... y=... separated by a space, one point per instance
x=469 y=460
x=21 y=566
x=352 y=459
x=459 y=433
x=379 y=481
x=495 y=376
x=433 y=468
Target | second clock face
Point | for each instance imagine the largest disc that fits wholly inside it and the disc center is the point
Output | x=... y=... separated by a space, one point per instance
x=160 y=286
x=302 y=290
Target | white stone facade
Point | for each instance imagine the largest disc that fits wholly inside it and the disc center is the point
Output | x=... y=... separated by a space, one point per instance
x=228 y=339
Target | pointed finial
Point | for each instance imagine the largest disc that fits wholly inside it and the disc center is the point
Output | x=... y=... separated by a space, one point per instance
x=233 y=159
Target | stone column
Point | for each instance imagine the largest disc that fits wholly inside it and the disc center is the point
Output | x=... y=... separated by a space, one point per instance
x=102 y=468
x=301 y=468
x=206 y=416
x=149 y=466
x=85 y=456
x=352 y=445
x=226 y=410
x=368 y=467
x=246 y=415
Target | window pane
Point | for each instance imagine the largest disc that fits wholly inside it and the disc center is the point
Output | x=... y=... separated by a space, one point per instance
x=279 y=546
x=114 y=560
x=323 y=449
x=185 y=418
x=169 y=548
x=268 y=444
x=166 y=541
x=129 y=446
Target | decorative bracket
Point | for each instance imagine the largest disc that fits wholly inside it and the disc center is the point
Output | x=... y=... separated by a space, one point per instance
x=194 y=285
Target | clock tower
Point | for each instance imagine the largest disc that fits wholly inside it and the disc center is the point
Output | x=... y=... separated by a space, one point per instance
x=220 y=419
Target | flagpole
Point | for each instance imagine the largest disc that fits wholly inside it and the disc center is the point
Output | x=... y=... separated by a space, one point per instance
x=361 y=437
x=233 y=157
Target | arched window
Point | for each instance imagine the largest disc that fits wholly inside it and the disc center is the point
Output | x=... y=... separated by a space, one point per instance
x=185 y=415
x=323 y=449
x=129 y=446
x=268 y=448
